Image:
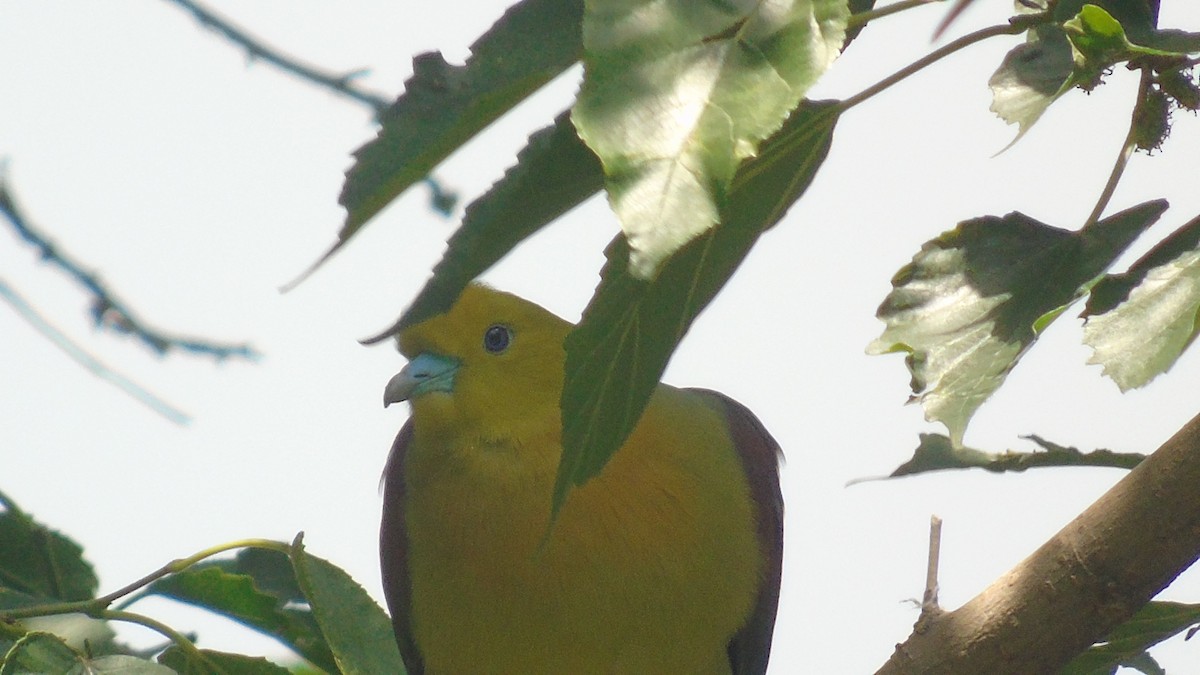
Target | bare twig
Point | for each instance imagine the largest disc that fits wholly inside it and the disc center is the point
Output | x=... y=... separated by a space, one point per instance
x=1015 y=26
x=342 y=84
x=107 y=310
x=83 y=358
x=929 y=602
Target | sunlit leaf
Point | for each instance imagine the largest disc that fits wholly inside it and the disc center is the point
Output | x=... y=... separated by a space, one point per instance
x=1141 y=321
x=974 y=299
x=677 y=93
x=618 y=352
x=1031 y=77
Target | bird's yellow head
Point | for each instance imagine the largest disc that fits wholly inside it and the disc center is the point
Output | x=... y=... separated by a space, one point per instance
x=491 y=363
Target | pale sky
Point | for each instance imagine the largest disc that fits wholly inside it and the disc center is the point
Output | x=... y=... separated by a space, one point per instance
x=195 y=183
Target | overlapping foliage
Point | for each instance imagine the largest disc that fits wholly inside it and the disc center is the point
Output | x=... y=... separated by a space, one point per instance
x=692 y=116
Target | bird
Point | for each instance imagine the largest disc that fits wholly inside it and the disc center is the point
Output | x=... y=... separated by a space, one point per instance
x=668 y=562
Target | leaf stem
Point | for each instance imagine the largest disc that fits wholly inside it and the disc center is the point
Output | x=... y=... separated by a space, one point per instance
x=1127 y=147
x=1015 y=26
x=159 y=627
x=863 y=18
x=98 y=607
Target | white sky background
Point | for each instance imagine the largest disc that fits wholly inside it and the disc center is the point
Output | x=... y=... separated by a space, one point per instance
x=196 y=183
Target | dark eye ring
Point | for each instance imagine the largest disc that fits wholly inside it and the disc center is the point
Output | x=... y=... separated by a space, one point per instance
x=497 y=338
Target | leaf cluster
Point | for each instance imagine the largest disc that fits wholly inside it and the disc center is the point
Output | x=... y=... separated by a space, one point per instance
x=53 y=621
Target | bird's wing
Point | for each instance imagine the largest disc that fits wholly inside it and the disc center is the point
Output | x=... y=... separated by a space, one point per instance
x=760 y=454
x=393 y=553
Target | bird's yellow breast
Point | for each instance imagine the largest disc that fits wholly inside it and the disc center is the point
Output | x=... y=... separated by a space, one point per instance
x=650 y=568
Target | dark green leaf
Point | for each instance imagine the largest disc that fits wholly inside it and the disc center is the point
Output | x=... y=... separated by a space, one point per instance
x=554 y=173
x=617 y=353
x=258 y=589
x=936 y=453
x=1175 y=41
x=677 y=94
x=208 y=662
x=974 y=299
x=443 y=106
x=856 y=7
x=358 y=631
x=1141 y=321
x=39 y=562
x=1127 y=644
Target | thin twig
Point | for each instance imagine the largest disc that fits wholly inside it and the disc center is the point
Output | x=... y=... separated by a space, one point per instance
x=107 y=310
x=1127 y=148
x=342 y=85
x=1015 y=26
x=96 y=606
x=863 y=18
x=180 y=640
x=91 y=363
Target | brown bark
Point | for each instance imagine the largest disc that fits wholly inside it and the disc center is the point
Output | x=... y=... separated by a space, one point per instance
x=1086 y=580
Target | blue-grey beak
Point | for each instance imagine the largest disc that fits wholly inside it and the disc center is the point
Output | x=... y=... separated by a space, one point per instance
x=425 y=373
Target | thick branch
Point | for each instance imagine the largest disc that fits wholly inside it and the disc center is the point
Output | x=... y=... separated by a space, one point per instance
x=1089 y=578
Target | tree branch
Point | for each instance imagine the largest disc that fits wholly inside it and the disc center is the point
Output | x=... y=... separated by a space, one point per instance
x=107 y=310
x=343 y=84
x=1086 y=580
x=83 y=358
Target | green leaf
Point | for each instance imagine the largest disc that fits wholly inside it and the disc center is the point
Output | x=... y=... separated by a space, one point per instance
x=358 y=632
x=677 y=93
x=1096 y=37
x=1076 y=53
x=974 y=299
x=617 y=354
x=935 y=452
x=39 y=562
x=443 y=106
x=1098 y=42
x=1136 y=16
x=38 y=652
x=1141 y=321
x=257 y=588
x=208 y=662
x=1152 y=624
x=554 y=173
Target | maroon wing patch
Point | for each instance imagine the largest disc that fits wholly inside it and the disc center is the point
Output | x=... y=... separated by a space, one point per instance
x=393 y=553
x=750 y=647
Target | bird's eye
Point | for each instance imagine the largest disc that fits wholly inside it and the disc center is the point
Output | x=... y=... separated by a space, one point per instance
x=497 y=338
